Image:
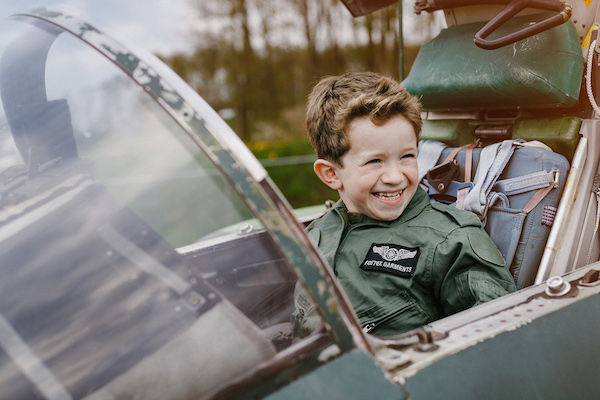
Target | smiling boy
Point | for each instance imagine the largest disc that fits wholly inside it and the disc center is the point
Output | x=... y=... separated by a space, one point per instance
x=377 y=176
x=402 y=260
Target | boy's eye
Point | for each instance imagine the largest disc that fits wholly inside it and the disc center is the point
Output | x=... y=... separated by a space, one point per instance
x=374 y=161
x=409 y=155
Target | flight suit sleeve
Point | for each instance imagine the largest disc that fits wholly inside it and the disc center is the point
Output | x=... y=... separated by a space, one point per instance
x=305 y=318
x=470 y=270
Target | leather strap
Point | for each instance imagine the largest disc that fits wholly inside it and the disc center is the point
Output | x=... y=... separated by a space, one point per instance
x=537 y=197
x=469 y=158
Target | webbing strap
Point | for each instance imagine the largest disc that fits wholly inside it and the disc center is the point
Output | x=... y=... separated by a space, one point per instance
x=525 y=183
x=428 y=155
x=496 y=197
x=460 y=198
x=492 y=161
x=537 y=197
x=469 y=162
x=454 y=153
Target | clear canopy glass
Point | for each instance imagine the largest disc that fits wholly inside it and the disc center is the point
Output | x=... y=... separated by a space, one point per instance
x=120 y=273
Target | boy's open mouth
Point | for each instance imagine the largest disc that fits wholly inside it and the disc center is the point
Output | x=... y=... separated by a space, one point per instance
x=389 y=196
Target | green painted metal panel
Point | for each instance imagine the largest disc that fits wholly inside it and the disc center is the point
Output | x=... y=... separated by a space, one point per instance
x=561 y=133
x=453 y=132
x=554 y=357
x=353 y=376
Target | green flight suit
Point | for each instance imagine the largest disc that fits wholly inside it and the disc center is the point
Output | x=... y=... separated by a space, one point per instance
x=432 y=261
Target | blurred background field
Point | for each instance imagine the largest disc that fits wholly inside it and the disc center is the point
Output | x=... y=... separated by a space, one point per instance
x=255 y=62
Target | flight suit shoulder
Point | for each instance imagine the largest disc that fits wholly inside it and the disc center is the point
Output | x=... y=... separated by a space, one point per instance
x=461 y=218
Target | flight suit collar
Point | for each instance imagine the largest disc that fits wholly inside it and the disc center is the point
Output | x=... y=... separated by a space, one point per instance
x=328 y=232
x=419 y=201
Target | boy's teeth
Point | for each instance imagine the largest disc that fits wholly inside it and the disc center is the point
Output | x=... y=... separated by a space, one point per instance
x=388 y=195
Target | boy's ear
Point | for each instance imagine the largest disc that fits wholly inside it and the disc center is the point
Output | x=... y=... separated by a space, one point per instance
x=327 y=172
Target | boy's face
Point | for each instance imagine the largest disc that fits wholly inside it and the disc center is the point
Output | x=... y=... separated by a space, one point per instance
x=379 y=173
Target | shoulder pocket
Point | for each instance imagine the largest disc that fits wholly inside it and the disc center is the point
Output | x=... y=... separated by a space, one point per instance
x=461 y=217
x=484 y=248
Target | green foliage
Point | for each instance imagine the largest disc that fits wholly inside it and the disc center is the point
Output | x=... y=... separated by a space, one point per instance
x=277 y=149
x=298 y=183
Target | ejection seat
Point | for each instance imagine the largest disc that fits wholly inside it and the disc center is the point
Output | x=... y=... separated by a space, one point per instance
x=493 y=112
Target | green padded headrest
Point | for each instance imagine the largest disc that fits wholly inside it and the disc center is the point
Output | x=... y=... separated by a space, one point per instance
x=544 y=70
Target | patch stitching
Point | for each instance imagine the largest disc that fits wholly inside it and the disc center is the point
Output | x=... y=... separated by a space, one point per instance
x=391 y=258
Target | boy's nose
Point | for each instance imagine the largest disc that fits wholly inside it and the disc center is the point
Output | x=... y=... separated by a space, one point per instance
x=393 y=176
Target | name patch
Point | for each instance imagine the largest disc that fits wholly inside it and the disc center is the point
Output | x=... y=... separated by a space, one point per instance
x=391 y=258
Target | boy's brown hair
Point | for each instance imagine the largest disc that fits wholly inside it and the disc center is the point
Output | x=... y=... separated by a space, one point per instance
x=337 y=100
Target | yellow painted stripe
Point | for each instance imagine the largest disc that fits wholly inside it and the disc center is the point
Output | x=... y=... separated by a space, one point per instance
x=586 y=42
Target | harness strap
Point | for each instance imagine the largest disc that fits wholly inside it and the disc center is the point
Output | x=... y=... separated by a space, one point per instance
x=469 y=158
x=496 y=197
x=477 y=197
x=537 y=197
x=492 y=161
x=525 y=183
x=429 y=153
x=469 y=162
x=454 y=153
x=460 y=197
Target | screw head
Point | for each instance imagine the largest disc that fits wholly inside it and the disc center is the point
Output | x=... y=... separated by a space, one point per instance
x=245 y=228
x=557 y=286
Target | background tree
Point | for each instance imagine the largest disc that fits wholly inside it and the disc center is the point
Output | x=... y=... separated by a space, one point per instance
x=259 y=58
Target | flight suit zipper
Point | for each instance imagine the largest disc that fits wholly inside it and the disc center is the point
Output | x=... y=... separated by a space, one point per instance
x=368 y=327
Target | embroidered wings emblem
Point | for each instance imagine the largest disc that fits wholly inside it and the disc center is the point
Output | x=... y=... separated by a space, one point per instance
x=390 y=254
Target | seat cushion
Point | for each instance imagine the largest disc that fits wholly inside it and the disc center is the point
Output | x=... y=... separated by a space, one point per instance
x=545 y=70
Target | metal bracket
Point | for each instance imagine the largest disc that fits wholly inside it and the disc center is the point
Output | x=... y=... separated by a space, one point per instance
x=440 y=176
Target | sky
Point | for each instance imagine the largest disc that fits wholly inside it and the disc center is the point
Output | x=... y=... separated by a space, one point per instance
x=162 y=28
x=166 y=27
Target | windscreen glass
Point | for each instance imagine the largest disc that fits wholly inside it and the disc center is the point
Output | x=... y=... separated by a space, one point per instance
x=124 y=272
